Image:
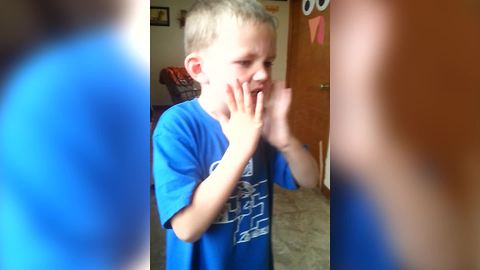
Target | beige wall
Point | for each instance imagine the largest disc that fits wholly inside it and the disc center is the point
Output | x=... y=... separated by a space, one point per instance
x=166 y=48
x=279 y=71
x=166 y=45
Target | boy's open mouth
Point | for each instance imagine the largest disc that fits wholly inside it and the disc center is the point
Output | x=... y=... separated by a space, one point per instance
x=254 y=94
x=256 y=91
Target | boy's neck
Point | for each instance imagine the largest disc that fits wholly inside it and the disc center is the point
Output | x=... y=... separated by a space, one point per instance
x=211 y=108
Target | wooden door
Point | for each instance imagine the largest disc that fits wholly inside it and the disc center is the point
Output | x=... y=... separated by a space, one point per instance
x=308 y=74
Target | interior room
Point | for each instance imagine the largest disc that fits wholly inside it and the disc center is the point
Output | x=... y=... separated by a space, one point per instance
x=301 y=218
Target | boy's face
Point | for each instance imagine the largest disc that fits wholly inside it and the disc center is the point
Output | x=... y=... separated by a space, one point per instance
x=244 y=52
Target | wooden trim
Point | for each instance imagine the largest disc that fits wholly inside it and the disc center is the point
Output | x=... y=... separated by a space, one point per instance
x=325 y=191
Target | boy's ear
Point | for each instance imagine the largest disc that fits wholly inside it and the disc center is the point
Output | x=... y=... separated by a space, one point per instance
x=194 y=66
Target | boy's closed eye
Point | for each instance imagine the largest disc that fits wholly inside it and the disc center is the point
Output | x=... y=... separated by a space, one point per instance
x=244 y=63
x=248 y=63
x=268 y=64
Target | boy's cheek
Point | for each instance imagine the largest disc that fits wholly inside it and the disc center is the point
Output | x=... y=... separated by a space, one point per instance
x=267 y=91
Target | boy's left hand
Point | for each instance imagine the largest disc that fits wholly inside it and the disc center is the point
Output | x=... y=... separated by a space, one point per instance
x=275 y=128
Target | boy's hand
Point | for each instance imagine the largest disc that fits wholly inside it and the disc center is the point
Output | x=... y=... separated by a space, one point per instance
x=243 y=128
x=275 y=128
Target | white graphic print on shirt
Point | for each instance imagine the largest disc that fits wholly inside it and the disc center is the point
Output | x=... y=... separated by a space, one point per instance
x=246 y=208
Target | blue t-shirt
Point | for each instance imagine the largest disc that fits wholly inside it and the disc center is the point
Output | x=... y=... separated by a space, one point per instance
x=74 y=165
x=359 y=238
x=188 y=145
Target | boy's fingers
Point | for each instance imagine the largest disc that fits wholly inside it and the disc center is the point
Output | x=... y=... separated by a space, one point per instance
x=230 y=100
x=259 y=107
x=247 y=98
x=238 y=96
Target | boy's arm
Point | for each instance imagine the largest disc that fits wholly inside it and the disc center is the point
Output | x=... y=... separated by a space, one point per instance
x=243 y=130
x=276 y=130
x=302 y=165
x=209 y=197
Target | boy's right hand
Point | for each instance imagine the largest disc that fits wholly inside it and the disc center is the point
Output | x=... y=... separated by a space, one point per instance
x=244 y=126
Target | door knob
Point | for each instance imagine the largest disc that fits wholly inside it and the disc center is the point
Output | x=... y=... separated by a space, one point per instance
x=325 y=86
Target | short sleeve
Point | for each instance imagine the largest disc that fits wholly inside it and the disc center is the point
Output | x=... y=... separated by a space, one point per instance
x=175 y=170
x=280 y=171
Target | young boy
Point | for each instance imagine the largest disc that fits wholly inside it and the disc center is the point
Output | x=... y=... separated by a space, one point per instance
x=216 y=157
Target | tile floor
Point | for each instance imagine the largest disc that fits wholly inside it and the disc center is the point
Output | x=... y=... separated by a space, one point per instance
x=301 y=231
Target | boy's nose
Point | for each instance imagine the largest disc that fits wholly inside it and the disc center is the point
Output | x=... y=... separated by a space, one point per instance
x=261 y=75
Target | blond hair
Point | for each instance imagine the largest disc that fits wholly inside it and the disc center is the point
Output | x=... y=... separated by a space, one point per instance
x=206 y=16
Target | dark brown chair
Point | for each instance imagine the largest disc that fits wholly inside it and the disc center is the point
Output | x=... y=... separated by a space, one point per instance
x=180 y=85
